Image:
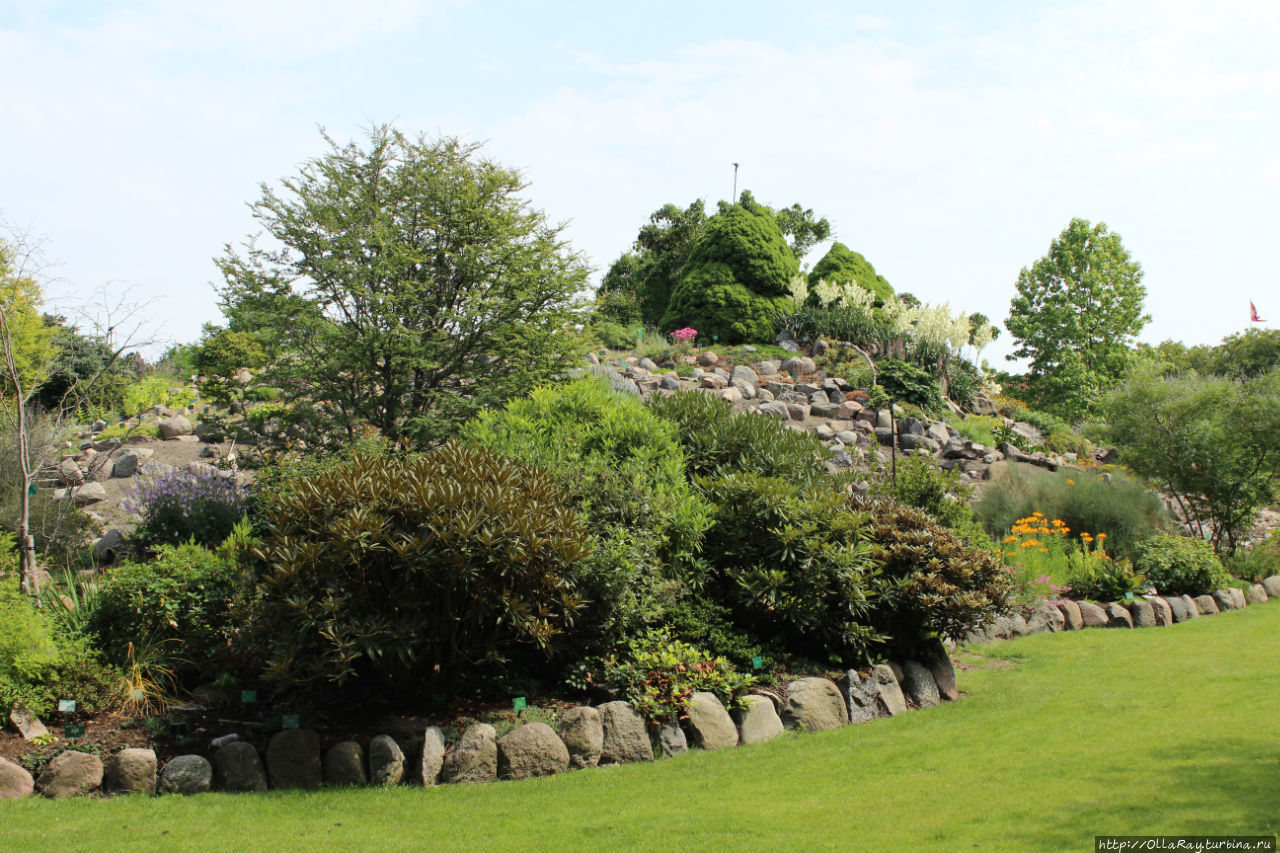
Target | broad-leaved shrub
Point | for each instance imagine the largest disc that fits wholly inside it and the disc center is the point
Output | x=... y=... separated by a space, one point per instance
x=1181 y=565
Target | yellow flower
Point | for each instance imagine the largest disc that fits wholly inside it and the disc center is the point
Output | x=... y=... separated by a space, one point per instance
x=1044 y=550
x=1009 y=539
x=1071 y=482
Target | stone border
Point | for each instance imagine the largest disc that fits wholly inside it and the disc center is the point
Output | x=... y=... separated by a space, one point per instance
x=612 y=733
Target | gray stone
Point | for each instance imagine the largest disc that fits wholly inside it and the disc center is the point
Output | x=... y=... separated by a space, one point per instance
x=293 y=759
x=799 y=366
x=891 y=697
x=15 y=781
x=531 y=750
x=1092 y=615
x=647 y=364
x=69 y=473
x=583 y=735
x=186 y=774
x=919 y=685
x=108 y=547
x=27 y=723
x=238 y=767
x=1206 y=605
x=707 y=359
x=1144 y=615
x=860 y=696
x=433 y=752
x=814 y=704
x=669 y=383
x=474 y=758
x=1071 y=618
x=386 y=762
x=1224 y=600
x=775 y=409
x=797 y=411
x=758 y=720
x=1018 y=626
x=1045 y=619
x=742 y=373
x=709 y=723
x=132 y=771
x=1118 y=616
x=1177 y=607
x=174 y=427
x=1272 y=586
x=911 y=441
x=344 y=764
x=130 y=461
x=1256 y=594
x=86 y=495
x=1193 y=610
x=71 y=774
x=669 y=739
x=935 y=657
x=1163 y=612
x=769 y=367
x=1238 y=598
x=910 y=426
x=625 y=736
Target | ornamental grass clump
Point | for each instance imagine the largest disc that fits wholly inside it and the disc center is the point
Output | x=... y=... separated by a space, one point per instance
x=197 y=503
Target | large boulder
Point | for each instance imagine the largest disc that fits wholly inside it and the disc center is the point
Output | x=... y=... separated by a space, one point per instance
x=814 y=704
x=174 y=427
x=890 y=690
x=132 y=771
x=919 y=685
x=709 y=723
x=758 y=720
x=386 y=761
x=1092 y=615
x=344 y=764
x=293 y=759
x=186 y=774
x=531 y=750
x=1256 y=594
x=1177 y=608
x=1272 y=586
x=1163 y=612
x=238 y=767
x=1144 y=615
x=1238 y=598
x=474 y=758
x=1071 y=618
x=433 y=752
x=129 y=462
x=71 y=774
x=1206 y=605
x=1118 y=616
x=1045 y=619
x=1224 y=600
x=15 y=781
x=1193 y=609
x=860 y=696
x=110 y=546
x=669 y=739
x=583 y=735
x=935 y=657
x=625 y=736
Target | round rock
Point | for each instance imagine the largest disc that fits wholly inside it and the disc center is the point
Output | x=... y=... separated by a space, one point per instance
x=625 y=736
x=583 y=735
x=293 y=759
x=474 y=757
x=186 y=774
x=709 y=723
x=71 y=774
x=344 y=764
x=15 y=781
x=814 y=704
x=132 y=771
x=531 y=750
x=237 y=767
x=386 y=761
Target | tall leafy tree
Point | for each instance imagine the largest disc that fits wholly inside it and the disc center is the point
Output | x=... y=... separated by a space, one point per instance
x=412 y=285
x=1076 y=314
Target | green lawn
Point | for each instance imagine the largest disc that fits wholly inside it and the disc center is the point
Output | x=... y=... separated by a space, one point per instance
x=1060 y=737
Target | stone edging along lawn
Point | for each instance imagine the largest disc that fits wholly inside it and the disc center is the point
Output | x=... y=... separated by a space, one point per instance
x=612 y=733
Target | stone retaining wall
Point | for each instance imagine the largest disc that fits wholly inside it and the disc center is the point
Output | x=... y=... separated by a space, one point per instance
x=612 y=733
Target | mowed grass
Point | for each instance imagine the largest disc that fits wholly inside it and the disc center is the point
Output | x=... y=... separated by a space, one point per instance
x=1059 y=738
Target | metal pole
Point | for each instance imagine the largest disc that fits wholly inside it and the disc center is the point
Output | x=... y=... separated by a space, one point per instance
x=734 y=197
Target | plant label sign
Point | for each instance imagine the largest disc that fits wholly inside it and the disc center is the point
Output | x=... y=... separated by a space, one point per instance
x=289 y=721
x=519 y=704
x=757 y=662
x=73 y=730
x=67 y=706
x=31 y=489
x=1128 y=596
x=138 y=695
x=248 y=697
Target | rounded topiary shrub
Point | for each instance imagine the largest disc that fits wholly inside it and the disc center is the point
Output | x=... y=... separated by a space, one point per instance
x=841 y=265
x=737 y=278
x=415 y=568
x=931 y=583
x=1180 y=565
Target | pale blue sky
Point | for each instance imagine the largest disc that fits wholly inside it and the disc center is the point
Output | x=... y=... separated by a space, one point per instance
x=949 y=142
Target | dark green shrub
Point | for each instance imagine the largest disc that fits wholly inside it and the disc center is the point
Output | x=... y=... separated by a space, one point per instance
x=1259 y=562
x=1180 y=565
x=930 y=582
x=841 y=265
x=416 y=568
x=922 y=484
x=658 y=675
x=963 y=380
x=614 y=335
x=790 y=566
x=719 y=441
x=736 y=279
x=1086 y=502
x=1105 y=580
x=906 y=383
x=179 y=602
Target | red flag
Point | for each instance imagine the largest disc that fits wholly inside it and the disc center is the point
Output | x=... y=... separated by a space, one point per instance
x=1253 y=314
